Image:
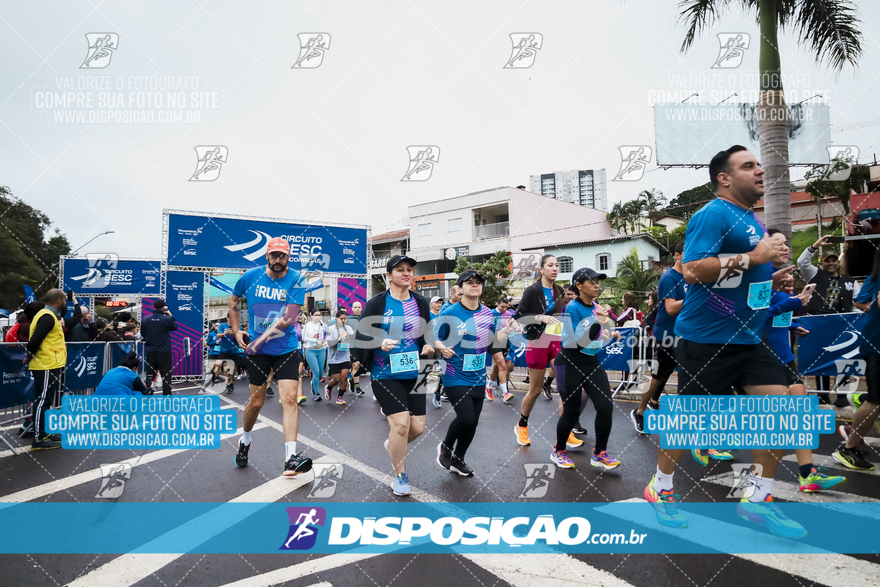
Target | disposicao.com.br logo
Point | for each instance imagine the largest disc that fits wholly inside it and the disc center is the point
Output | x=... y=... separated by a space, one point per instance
x=398 y=531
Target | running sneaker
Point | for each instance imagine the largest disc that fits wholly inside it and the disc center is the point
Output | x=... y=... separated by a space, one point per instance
x=489 y=393
x=526 y=380
x=45 y=443
x=768 y=514
x=573 y=441
x=400 y=484
x=653 y=405
x=601 y=460
x=241 y=459
x=297 y=464
x=852 y=459
x=720 y=455
x=460 y=467
x=638 y=421
x=444 y=457
x=358 y=391
x=701 y=456
x=443 y=397
x=855 y=400
x=316 y=397
x=301 y=399
x=561 y=459
x=328 y=393
x=546 y=390
x=55 y=437
x=269 y=391
x=578 y=429
x=229 y=390
x=436 y=401
x=522 y=435
x=816 y=481
x=665 y=506
x=507 y=397
x=340 y=401
x=845 y=431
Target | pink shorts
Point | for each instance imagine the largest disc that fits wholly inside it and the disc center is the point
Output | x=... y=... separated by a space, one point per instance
x=540 y=352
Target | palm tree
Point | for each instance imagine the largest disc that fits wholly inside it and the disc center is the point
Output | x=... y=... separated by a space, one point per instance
x=632 y=212
x=827 y=28
x=653 y=200
x=615 y=217
x=632 y=276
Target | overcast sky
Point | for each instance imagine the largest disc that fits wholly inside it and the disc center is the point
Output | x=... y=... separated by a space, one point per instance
x=329 y=143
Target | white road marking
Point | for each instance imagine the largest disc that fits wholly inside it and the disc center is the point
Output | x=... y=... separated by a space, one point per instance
x=544 y=570
x=318 y=565
x=834 y=570
x=64 y=483
x=791 y=492
x=128 y=569
x=828 y=462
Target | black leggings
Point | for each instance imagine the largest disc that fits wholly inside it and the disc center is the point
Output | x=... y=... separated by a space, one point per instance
x=467 y=416
x=586 y=373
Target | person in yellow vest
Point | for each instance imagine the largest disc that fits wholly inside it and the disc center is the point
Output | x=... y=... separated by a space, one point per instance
x=47 y=354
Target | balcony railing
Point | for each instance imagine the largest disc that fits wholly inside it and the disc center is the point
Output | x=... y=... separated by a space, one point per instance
x=487 y=231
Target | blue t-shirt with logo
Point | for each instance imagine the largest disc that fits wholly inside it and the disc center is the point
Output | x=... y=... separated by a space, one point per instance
x=869 y=343
x=469 y=333
x=576 y=323
x=732 y=311
x=401 y=322
x=548 y=298
x=671 y=286
x=228 y=346
x=267 y=301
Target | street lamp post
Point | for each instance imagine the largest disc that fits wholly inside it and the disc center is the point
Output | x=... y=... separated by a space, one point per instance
x=91 y=239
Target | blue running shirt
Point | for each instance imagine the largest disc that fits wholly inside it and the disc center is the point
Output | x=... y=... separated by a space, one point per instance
x=733 y=313
x=472 y=331
x=267 y=301
x=401 y=322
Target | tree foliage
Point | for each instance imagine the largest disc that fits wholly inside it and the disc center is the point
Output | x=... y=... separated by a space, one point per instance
x=30 y=255
x=689 y=201
x=635 y=277
x=495 y=270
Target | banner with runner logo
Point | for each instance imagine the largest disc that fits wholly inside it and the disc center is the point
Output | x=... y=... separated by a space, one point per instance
x=16 y=385
x=85 y=365
x=238 y=243
x=833 y=341
x=184 y=294
x=106 y=274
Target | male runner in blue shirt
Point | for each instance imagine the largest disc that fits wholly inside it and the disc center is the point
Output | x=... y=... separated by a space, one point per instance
x=274 y=294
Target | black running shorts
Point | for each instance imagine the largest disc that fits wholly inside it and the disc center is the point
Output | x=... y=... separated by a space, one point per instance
x=715 y=369
x=285 y=367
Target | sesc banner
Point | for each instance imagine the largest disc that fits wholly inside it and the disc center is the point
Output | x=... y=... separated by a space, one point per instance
x=107 y=274
x=237 y=243
x=185 y=298
x=85 y=365
x=16 y=383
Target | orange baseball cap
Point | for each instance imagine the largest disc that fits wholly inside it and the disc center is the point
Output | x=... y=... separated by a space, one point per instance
x=279 y=245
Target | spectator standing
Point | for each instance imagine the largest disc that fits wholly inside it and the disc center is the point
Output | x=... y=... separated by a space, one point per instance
x=105 y=333
x=835 y=293
x=157 y=329
x=85 y=330
x=47 y=354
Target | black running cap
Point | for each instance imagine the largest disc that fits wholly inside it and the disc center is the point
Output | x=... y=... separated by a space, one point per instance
x=586 y=273
x=468 y=275
x=396 y=260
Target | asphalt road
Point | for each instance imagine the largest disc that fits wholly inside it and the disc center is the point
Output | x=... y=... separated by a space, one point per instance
x=353 y=436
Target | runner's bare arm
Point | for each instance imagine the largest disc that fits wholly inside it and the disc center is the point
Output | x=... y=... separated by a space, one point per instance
x=716 y=269
x=235 y=320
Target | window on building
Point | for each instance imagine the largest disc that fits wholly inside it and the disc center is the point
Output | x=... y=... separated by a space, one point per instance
x=566 y=264
x=603 y=261
x=425 y=229
x=454 y=225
